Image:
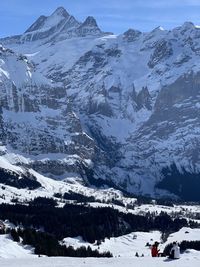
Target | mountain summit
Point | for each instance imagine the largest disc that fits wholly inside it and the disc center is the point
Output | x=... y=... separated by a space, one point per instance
x=90 y=22
x=60 y=25
x=89 y=27
x=60 y=11
x=53 y=20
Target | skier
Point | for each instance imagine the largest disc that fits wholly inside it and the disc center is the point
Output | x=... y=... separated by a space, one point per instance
x=155 y=250
x=175 y=251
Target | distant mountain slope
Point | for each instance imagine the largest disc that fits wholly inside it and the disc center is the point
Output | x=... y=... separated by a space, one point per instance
x=120 y=109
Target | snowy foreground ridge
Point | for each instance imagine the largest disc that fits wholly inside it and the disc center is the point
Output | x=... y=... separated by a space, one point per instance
x=123 y=248
x=126 y=246
x=191 y=259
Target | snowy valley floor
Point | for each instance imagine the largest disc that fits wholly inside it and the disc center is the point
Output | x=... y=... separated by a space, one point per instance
x=190 y=259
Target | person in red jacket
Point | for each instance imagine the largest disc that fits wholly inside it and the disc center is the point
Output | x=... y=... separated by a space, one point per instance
x=155 y=250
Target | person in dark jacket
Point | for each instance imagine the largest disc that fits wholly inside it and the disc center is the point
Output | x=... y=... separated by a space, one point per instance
x=155 y=250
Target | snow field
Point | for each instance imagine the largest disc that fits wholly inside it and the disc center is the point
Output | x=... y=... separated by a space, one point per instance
x=190 y=259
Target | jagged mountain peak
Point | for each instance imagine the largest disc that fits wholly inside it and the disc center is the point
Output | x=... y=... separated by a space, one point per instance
x=61 y=11
x=186 y=30
x=44 y=22
x=131 y=35
x=188 y=25
x=89 y=27
x=58 y=16
x=185 y=27
x=90 y=22
x=60 y=25
x=157 y=30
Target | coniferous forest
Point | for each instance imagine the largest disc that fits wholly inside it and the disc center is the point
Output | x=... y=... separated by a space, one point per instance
x=46 y=244
x=72 y=220
x=89 y=222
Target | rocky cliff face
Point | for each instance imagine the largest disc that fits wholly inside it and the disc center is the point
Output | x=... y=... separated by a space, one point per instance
x=37 y=118
x=122 y=109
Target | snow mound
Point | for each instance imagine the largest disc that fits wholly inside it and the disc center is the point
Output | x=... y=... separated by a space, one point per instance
x=10 y=249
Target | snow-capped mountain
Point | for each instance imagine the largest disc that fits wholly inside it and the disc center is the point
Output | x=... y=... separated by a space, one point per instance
x=78 y=102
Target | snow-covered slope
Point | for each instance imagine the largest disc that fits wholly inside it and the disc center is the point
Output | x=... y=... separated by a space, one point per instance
x=127 y=245
x=123 y=248
x=120 y=109
x=189 y=259
x=10 y=249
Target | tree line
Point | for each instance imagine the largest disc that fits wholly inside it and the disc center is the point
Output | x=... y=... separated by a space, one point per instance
x=46 y=244
x=82 y=220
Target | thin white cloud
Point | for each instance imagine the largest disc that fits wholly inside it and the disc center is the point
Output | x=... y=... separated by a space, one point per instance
x=127 y=4
x=190 y=2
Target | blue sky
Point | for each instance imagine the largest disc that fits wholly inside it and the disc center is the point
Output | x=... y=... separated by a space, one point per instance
x=112 y=15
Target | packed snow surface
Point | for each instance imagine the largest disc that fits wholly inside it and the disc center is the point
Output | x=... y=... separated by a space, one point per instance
x=190 y=259
x=123 y=246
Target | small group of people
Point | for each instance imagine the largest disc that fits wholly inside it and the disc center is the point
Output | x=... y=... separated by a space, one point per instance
x=174 y=252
